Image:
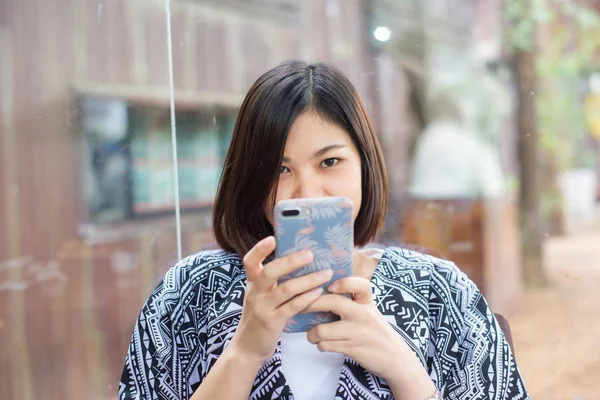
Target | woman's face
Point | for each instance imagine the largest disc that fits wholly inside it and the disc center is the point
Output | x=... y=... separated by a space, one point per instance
x=319 y=160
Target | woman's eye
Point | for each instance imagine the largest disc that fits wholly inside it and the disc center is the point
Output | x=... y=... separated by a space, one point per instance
x=283 y=169
x=330 y=162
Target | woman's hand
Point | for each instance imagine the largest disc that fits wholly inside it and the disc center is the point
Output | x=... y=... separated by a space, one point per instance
x=267 y=305
x=365 y=336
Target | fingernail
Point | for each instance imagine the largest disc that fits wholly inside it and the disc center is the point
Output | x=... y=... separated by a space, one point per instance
x=317 y=291
x=333 y=287
x=306 y=257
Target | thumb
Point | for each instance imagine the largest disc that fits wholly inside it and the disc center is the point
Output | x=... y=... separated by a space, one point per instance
x=255 y=257
x=252 y=272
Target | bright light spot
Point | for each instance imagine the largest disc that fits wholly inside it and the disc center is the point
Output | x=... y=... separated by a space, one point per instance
x=382 y=33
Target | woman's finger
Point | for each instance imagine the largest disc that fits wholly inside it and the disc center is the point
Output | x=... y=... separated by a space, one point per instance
x=359 y=287
x=297 y=304
x=296 y=286
x=334 y=346
x=339 y=330
x=283 y=266
x=336 y=304
x=254 y=258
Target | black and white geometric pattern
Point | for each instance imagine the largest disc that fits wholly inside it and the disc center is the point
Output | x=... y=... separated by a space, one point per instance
x=193 y=314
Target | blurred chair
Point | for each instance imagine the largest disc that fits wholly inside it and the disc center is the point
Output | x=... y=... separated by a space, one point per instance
x=505 y=326
x=454 y=229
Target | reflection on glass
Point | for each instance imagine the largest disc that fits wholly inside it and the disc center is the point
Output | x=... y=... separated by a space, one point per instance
x=127 y=166
x=104 y=127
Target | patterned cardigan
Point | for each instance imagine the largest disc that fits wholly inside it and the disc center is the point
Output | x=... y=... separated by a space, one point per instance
x=194 y=312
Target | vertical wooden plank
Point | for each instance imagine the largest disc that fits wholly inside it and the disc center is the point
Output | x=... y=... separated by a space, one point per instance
x=92 y=346
x=49 y=125
x=5 y=99
x=75 y=263
x=234 y=44
x=55 y=184
x=155 y=42
x=27 y=105
x=166 y=254
x=350 y=43
x=222 y=57
x=114 y=34
x=119 y=260
x=285 y=43
x=191 y=64
x=8 y=238
x=19 y=360
x=202 y=28
x=8 y=220
x=117 y=34
x=255 y=51
x=97 y=40
x=313 y=30
x=9 y=146
x=214 y=55
x=110 y=327
x=78 y=37
x=180 y=40
x=5 y=12
x=58 y=326
x=34 y=314
x=146 y=251
x=131 y=293
x=66 y=192
x=122 y=39
x=137 y=18
x=5 y=36
x=50 y=221
x=62 y=312
x=62 y=192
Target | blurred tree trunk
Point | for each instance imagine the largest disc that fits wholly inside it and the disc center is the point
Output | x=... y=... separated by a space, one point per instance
x=553 y=219
x=530 y=171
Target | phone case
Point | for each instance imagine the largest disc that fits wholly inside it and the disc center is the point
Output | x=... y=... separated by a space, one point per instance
x=325 y=226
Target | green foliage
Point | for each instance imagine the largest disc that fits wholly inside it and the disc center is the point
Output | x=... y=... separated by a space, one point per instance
x=521 y=30
x=569 y=37
x=573 y=40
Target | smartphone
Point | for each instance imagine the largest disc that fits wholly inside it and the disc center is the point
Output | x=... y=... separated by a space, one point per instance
x=325 y=226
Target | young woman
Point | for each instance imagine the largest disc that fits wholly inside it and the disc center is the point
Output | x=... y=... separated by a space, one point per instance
x=415 y=328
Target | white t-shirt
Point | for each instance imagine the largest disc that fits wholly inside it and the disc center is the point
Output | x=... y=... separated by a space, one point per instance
x=310 y=373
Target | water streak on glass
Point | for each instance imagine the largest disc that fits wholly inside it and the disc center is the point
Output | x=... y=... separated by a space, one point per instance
x=173 y=128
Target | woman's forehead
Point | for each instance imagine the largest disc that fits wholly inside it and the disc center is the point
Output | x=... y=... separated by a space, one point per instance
x=311 y=131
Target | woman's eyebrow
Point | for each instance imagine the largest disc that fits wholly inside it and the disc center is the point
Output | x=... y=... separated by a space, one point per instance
x=320 y=152
x=327 y=149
